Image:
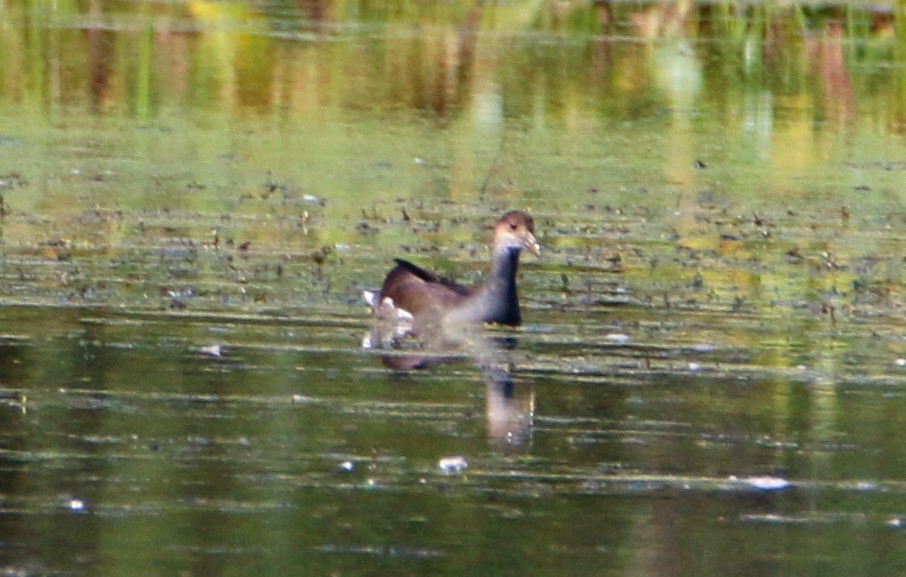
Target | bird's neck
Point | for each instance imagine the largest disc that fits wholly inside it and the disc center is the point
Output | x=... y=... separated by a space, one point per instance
x=497 y=300
x=501 y=281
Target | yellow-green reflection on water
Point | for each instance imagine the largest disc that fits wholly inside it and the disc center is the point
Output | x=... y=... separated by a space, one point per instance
x=194 y=195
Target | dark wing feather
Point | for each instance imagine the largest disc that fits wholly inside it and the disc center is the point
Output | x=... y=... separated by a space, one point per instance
x=431 y=277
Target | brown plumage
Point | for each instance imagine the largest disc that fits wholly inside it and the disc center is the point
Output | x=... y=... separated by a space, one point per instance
x=415 y=295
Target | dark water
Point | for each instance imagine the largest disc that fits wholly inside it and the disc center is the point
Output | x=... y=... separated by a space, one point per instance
x=711 y=376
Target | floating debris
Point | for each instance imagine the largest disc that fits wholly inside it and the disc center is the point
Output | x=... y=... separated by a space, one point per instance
x=455 y=464
x=764 y=482
x=211 y=350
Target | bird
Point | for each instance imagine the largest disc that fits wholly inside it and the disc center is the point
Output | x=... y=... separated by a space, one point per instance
x=416 y=301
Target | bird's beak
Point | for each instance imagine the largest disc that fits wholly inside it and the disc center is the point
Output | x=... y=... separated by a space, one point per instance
x=531 y=244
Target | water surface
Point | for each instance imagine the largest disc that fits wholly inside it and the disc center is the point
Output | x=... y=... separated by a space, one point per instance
x=711 y=373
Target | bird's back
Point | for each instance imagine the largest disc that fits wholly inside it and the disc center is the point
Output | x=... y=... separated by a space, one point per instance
x=421 y=292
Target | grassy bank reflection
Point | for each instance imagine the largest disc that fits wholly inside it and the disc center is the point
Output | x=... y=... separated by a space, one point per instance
x=440 y=60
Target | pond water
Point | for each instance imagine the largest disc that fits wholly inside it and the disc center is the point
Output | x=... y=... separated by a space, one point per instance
x=711 y=377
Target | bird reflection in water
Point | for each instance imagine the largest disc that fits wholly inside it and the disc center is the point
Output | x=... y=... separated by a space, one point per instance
x=509 y=408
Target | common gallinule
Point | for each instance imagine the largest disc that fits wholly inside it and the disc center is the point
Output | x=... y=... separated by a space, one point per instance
x=415 y=300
